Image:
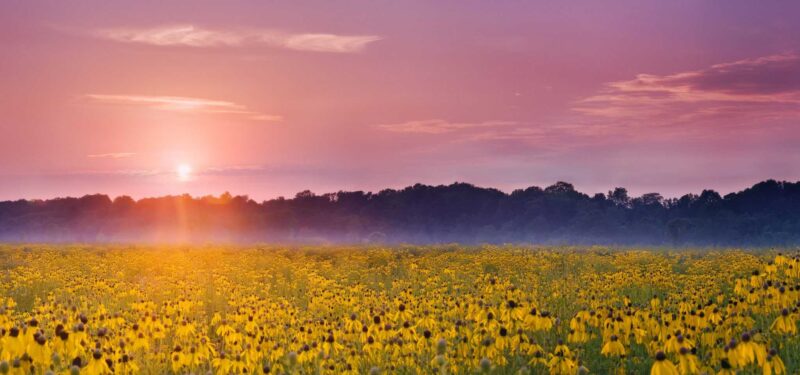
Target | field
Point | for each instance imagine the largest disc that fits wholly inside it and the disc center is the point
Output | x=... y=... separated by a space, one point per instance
x=447 y=309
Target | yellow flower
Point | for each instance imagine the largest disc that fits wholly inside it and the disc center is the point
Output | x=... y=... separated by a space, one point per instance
x=97 y=365
x=662 y=366
x=773 y=364
x=13 y=346
x=125 y=365
x=784 y=323
x=748 y=351
x=613 y=348
x=687 y=362
x=560 y=365
x=179 y=361
x=338 y=310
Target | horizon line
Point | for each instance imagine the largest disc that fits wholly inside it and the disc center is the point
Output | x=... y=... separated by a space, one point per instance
x=374 y=192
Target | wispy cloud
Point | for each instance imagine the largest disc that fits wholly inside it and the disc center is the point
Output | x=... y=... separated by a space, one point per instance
x=118 y=172
x=233 y=170
x=437 y=126
x=496 y=137
x=112 y=155
x=194 y=36
x=327 y=42
x=184 y=104
x=766 y=88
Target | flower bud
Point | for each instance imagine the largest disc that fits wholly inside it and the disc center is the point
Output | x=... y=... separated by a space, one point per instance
x=485 y=364
x=441 y=346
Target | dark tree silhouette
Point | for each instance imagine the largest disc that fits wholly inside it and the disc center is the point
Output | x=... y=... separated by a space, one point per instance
x=767 y=214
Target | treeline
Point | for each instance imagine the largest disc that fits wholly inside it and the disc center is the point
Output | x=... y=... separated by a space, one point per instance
x=767 y=214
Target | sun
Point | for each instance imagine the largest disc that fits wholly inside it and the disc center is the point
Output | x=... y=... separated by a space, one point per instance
x=184 y=172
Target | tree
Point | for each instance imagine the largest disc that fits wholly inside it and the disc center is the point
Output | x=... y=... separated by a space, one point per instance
x=619 y=196
x=766 y=214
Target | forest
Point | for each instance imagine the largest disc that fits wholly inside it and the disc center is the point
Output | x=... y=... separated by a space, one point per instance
x=766 y=214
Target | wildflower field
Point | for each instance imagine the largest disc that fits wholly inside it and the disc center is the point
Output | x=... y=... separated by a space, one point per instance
x=366 y=310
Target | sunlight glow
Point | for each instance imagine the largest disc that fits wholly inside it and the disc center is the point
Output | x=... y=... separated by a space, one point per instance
x=184 y=172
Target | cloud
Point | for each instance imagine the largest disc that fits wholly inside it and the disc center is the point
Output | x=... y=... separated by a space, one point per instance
x=769 y=75
x=119 y=172
x=112 y=155
x=184 y=104
x=497 y=136
x=765 y=88
x=437 y=126
x=233 y=170
x=328 y=42
x=194 y=36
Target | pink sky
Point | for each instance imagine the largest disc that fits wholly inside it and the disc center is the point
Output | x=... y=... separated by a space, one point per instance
x=270 y=98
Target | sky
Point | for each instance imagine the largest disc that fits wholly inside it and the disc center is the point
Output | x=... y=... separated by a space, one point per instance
x=148 y=98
